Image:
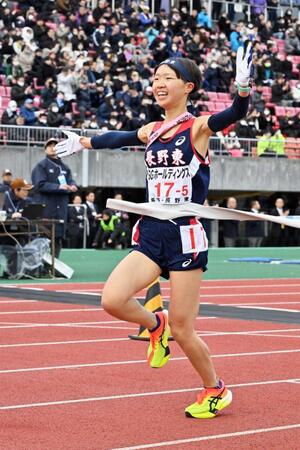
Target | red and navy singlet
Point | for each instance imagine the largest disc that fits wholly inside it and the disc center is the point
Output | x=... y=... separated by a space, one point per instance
x=176 y=173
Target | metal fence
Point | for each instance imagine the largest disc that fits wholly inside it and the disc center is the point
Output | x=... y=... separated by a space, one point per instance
x=11 y=135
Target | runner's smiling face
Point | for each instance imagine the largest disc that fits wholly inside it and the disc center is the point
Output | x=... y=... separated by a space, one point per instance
x=169 y=90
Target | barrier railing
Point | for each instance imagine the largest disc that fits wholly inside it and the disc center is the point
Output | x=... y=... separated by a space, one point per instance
x=11 y=135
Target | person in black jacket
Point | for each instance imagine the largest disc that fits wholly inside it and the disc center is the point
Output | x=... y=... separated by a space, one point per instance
x=230 y=227
x=279 y=235
x=75 y=223
x=255 y=229
x=93 y=217
x=6 y=180
x=53 y=183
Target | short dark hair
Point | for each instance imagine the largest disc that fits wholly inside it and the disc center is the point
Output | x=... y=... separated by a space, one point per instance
x=192 y=69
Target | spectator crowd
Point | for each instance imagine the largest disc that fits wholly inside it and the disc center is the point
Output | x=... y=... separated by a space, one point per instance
x=63 y=63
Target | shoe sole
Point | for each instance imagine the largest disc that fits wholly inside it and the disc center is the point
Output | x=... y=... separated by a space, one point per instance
x=208 y=415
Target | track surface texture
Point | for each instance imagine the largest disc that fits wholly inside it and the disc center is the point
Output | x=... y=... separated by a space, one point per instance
x=72 y=379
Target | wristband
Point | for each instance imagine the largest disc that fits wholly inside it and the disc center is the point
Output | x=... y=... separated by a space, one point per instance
x=243 y=88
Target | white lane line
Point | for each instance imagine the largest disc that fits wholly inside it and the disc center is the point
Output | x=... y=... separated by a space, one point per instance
x=211 y=437
x=141 y=394
x=50 y=311
x=265 y=308
x=259 y=303
x=83 y=341
x=142 y=361
x=2 y=302
x=207 y=334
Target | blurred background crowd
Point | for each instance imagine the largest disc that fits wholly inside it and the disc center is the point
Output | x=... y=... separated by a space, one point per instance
x=82 y=64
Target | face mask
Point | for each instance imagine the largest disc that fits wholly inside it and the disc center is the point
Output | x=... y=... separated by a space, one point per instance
x=55 y=109
x=268 y=65
x=101 y=31
x=93 y=125
x=232 y=134
x=266 y=112
x=213 y=65
x=106 y=50
x=21 y=83
x=43 y=121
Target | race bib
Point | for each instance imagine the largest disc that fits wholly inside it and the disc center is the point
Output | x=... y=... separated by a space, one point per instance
x=193 y=238
x=169 y=185
x=62 y=179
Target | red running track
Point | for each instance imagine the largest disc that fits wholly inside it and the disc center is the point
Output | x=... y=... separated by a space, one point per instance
x=70 y=379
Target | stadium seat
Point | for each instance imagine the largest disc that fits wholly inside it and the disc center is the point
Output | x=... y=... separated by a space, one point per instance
x=75 y=111
x=5 y=102
x=213 y=96
x=8 y=91
x=36 y=86
x=210 y=106
x=2 y=91
x=279 y=111
x=291 y=110
x=223 y=97
x=220 y=106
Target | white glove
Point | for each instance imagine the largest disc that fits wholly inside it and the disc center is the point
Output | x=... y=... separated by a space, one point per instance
x=70 y=145
x=244 y=65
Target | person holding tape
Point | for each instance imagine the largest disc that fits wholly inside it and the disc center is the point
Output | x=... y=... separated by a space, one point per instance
x=177 y=164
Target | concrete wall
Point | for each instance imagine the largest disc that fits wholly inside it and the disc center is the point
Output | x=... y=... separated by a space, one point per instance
x=116 y=168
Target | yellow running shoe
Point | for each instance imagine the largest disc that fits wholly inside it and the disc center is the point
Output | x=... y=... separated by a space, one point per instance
x=158 y=350
x=210 y=402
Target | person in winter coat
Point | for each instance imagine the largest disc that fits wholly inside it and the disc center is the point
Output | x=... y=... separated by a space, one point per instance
x=53 y=183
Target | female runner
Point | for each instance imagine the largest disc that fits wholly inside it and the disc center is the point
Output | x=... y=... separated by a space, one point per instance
x=177 y=163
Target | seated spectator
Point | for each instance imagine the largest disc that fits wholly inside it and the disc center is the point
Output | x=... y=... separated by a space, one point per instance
x=109 y=231
x=236 y=38
x=292 y=43
x=296 y=95
x=288 y=124
x=266 y=121
x=6 y=180
x=20 y=92
x=265 y=74
x=9 y=116
x=203 y=19
x=212 y=78
x=281 y=90
x=257 y=98
x=29 y=113
x=16 y=198
x=48 y=93
x=42 y=120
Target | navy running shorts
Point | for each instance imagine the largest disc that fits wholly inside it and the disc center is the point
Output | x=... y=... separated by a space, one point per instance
x=174 y=245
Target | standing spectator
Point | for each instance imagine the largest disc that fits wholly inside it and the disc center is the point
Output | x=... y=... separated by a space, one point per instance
x=279 y=234
x=255 y=229
x=231 y=227
x=6 y=180
x=9 y=116
x=53 y=183
x=297 y=234
x=257 y=97
x=75 y=223
x=93 y=217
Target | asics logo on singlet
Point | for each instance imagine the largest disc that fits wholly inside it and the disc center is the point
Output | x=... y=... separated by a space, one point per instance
x=186 y=263
x=180 y=140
